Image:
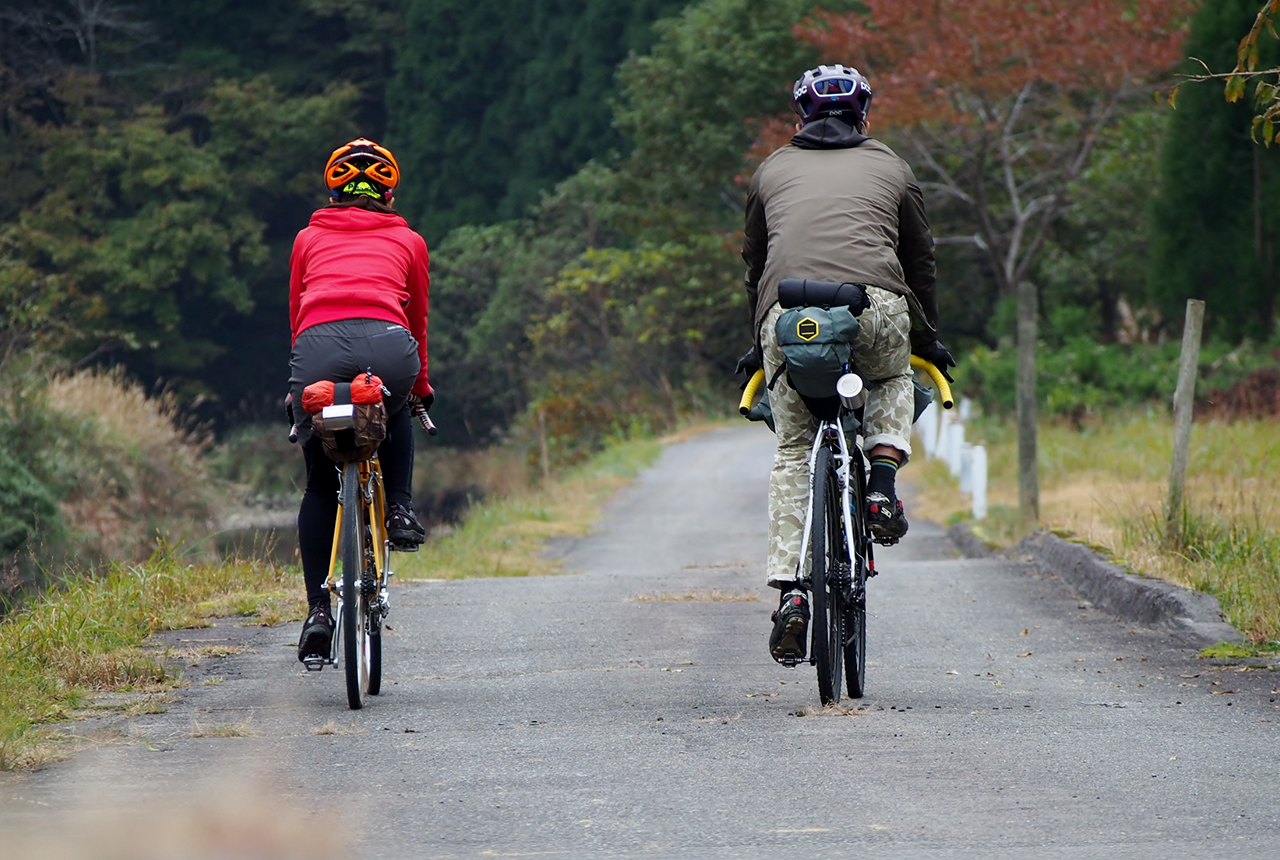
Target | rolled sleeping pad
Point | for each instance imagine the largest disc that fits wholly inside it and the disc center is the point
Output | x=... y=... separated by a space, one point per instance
x=801 y=292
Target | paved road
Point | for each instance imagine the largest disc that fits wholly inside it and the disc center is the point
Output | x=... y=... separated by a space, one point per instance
x=620 y=712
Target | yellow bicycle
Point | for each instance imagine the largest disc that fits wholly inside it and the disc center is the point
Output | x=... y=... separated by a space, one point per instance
x=359 y=568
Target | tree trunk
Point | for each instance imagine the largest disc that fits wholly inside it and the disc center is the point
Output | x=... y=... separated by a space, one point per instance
x=1028 y=477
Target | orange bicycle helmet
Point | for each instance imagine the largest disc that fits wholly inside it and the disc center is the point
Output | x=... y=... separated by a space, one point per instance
x=362 y=167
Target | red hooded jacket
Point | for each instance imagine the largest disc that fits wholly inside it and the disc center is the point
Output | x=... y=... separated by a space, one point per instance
x=352 y=263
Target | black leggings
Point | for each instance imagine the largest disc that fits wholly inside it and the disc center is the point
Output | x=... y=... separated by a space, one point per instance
x=338 y=351
x=319 y=511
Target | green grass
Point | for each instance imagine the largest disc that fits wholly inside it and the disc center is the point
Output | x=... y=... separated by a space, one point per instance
x=88 y=635
x=1235 y=560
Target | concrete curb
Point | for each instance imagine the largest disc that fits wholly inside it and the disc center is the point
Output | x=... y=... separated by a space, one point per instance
x=1131 y=597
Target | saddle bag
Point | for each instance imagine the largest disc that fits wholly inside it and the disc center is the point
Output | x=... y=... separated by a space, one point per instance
x=349 y=418
x=817 y=348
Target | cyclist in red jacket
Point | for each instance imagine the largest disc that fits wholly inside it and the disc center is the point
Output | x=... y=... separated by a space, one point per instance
x=357 y=301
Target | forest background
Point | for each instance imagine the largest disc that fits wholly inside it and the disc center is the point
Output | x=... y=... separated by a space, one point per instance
x=578 y=170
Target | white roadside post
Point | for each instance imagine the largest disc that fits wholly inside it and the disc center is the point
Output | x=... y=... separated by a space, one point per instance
x=928 y=424
x=966 y=468
x=954 y=448
x=978 y=481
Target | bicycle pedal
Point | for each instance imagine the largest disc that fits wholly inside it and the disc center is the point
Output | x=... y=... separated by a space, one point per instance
x=314 y=664
x=404 y=547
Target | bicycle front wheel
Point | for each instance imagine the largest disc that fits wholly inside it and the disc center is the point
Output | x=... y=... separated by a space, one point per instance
x=826 y=540
x=355 y=615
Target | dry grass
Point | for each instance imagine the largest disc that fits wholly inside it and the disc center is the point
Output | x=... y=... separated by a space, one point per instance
x=332 y=728
x=222 y=730
x=508 y=536
x=1105 y=484
x=136 y=472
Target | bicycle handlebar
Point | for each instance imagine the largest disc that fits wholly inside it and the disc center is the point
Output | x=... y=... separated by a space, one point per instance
x=420 y=412
x=757 y=380
x=938 y=379
x=749 y=393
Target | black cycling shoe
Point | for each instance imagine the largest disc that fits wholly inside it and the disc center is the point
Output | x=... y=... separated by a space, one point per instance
x=790 y=626
x=886 y=519
x=317 y=633
x=403 y=529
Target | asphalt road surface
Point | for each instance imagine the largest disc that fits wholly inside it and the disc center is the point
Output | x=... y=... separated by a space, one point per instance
x=630 y=709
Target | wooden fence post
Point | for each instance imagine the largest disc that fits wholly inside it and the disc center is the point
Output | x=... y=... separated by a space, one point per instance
x=1183 y=403
x=1028 y=473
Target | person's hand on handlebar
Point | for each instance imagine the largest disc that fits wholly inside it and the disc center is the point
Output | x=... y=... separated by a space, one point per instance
x=424 y=402
x=748 y=365
x=939 y=356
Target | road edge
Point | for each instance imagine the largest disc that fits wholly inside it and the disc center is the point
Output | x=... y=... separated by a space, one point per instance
x=1129 y=596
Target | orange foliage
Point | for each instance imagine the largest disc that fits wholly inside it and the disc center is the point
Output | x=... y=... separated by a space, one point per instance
x=941 y=59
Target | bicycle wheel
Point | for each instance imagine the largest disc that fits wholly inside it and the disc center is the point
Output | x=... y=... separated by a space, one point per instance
x=355 y=621
x=375 y=579
x=826 y=541
x=855 y=625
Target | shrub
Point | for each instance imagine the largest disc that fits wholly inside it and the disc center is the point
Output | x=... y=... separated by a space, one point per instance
x=93 y=468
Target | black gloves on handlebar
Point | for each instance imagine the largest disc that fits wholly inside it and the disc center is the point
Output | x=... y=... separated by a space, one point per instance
x=939 y=356
x=748 y=365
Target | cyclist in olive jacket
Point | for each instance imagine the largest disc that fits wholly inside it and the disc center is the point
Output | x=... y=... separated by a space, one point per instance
x=837 y=205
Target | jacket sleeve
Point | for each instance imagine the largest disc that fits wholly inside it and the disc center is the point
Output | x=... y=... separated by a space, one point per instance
x=419 y=291
x=295 y=284
x=915 y=253
x=755 y=244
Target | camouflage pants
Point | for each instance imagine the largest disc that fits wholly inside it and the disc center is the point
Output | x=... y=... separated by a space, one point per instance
x=882 y=353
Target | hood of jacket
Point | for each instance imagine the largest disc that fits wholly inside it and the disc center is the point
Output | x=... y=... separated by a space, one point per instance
x=828 y=133
x=354 y=218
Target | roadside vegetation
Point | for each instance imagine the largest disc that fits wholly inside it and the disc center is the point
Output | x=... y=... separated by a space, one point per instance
x=91 y=634
x=1104 y=482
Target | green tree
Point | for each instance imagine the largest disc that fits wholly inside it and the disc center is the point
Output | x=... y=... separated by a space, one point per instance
x=1215 y=228
x=491 y=108
x=148 y=245
x=690 y=107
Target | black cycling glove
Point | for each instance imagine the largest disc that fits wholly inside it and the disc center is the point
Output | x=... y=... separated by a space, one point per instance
x=939 y=356
x=748 y=364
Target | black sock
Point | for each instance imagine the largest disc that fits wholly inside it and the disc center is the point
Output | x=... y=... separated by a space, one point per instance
x=884 y=471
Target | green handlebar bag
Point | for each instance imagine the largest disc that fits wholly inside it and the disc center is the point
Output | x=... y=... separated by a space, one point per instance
x=817 y=345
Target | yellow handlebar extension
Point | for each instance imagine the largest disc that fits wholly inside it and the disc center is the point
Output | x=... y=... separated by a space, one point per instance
x=749 y=393
x=757 y=380
x=938 y=379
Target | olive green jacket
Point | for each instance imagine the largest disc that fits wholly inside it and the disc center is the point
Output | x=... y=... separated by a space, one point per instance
x=834 y=205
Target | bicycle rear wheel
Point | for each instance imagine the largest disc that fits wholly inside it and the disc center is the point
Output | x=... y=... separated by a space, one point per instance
x=355 y=615
x=826 y=542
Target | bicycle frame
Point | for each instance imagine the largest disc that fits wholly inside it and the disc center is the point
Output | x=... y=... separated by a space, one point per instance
x=373 y=500
x=844 y=460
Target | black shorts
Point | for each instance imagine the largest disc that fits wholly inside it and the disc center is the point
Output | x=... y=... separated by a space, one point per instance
x=340 y=350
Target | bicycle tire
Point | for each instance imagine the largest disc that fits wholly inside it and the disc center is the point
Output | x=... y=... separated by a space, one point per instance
x=855 y=631
x=355 y=633
x=375 y=663
x=377 y=532
x=827 y=594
